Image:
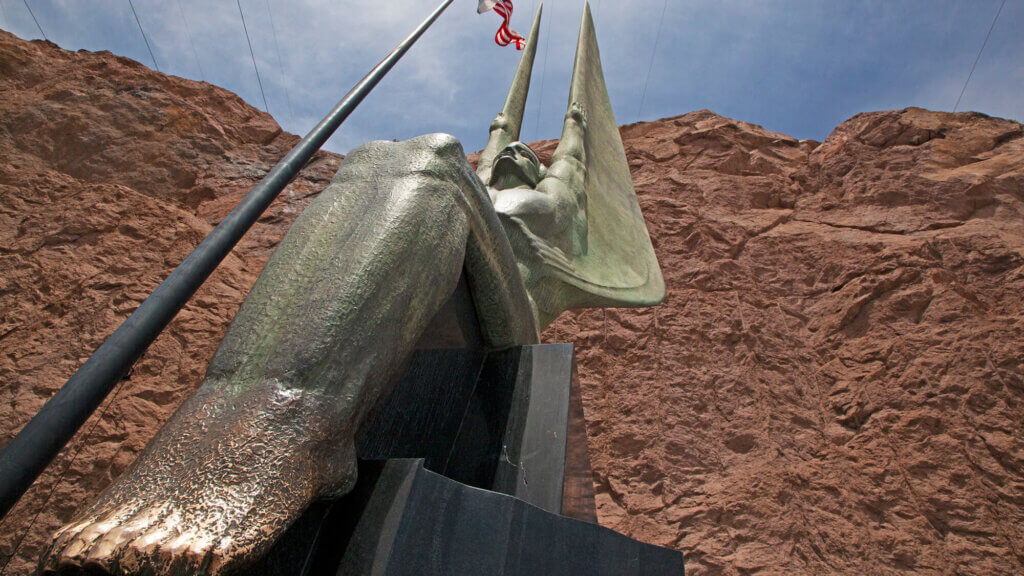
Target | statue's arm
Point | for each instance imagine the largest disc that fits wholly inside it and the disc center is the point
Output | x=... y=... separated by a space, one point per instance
x=566 y=178
x=568 y=163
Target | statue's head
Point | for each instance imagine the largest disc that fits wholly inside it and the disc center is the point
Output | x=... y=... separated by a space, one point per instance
x=515 y=166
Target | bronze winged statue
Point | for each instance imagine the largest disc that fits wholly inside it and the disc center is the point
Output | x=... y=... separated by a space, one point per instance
x=340 y=305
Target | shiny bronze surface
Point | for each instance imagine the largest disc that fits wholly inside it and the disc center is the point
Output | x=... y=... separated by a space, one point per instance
x=341 y=304
x=222 y=479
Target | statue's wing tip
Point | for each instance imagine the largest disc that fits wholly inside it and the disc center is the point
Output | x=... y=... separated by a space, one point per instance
x=515 y=102
x=620 y=267
x=588 y=16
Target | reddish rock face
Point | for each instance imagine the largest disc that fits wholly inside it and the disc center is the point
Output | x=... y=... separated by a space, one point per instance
x=835 y=383
x=110 y=174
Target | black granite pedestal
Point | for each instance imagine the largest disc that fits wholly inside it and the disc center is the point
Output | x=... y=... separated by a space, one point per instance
x=463 y=471
x=419 y=523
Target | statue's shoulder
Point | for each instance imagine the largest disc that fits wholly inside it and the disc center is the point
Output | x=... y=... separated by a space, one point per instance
x=421 y=148
x=435 y=155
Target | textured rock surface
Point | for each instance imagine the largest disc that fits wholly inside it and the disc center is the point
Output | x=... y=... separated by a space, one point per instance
x=835 y=383
x=110 y=174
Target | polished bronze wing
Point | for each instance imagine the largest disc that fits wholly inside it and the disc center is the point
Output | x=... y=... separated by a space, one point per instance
x=613 y=264
x=515 y=103
x=618 y=267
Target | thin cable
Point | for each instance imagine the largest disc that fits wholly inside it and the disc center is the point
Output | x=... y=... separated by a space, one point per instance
x=35 y=20
x=188 y=31
x=964 y=89
x=543 y=75
x=253 y=54
x=146 y=40
x=60 y=479
x=650 y=67
x=280 y=62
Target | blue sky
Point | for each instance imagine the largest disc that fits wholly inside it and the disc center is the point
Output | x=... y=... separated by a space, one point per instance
x=797 y=66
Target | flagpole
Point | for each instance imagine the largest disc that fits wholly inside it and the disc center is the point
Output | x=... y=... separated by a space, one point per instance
x=28 y=454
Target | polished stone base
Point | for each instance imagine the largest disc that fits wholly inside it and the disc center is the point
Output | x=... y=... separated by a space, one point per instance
x=465 y=470
x=421 y=523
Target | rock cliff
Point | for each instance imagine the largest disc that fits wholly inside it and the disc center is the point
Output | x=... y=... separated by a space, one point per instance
x=110 y=173
x=835 y=383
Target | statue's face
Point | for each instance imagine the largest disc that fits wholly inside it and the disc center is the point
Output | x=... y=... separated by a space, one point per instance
x=516 y=165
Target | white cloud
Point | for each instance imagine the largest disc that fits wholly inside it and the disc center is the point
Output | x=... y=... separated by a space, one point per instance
x=799 y=66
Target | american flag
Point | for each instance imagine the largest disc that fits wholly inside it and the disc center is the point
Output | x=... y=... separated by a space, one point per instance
x=505 y=35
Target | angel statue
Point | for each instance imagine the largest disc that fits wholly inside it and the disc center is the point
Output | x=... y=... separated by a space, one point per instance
x=336 y=313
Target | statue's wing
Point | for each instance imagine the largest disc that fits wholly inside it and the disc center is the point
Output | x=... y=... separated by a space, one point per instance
x=515 y=104
x=618 y=266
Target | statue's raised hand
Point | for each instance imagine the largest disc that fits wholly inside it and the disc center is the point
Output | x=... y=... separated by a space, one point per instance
x=500 y=122
x=578 y=113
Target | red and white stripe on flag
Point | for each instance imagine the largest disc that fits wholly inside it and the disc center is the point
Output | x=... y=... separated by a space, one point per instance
x=485 y=5
x=505 y=35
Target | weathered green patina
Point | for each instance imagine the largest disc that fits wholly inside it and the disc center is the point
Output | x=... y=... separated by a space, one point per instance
x=607 y=259
x=335 y=314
